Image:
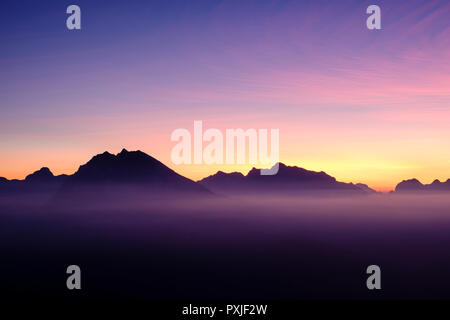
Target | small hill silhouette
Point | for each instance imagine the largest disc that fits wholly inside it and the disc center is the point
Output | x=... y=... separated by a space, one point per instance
x=365 y=188
x=42 y=175
x=41 y=182
x=409 y=185
x=439 y=186
x=414 y=185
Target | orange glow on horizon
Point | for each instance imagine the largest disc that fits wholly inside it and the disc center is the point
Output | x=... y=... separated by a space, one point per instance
x=373 y=174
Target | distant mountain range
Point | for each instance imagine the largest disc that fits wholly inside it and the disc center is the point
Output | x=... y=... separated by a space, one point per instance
x=108 y=177
x=288 y=181
x=138 y=173
x=414 y=185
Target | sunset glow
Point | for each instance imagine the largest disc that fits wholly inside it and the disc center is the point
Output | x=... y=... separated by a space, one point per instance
x=363 y=106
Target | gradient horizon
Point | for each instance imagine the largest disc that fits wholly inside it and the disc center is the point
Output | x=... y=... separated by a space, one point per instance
x=370 y=106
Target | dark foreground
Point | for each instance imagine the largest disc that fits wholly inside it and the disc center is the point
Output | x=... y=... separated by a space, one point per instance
x=229 y=249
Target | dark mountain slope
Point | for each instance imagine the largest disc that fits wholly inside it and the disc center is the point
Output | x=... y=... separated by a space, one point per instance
x=414 y=185
x=288 y=181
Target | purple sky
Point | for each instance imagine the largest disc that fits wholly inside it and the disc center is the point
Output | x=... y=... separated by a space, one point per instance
x=363 y=105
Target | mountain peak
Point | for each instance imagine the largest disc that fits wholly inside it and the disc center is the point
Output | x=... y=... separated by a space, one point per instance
x=42 y=175
x=130 y=168
x=129 y=173
x=409 y=185
x=124 y=151
x=414 y=185
x=293 y=173
x=288 y=180
x=103 y=156
x=130 y=154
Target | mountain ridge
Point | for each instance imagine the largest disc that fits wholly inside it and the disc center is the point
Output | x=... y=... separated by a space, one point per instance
x=288 y=180
x=132 y=173
x=414 y=186
x=139 y=168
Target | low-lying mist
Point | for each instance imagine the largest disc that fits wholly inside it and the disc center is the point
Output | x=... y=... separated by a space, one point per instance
x=305 y=247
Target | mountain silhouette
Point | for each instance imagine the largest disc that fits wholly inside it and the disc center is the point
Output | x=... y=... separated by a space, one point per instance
x=42 y=175
x=439 y=186
x=127 y=175
x=105 y=178
x=41 y=182
x=136 y=173
x=414 y=185
x=289 y=180
x=409 y=185
x=365 y=188
x=135 y=168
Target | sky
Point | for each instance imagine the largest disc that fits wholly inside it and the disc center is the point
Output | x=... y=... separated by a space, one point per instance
x=370 y=106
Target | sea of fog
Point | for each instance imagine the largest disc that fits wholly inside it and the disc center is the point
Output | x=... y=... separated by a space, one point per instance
x=292 y=248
